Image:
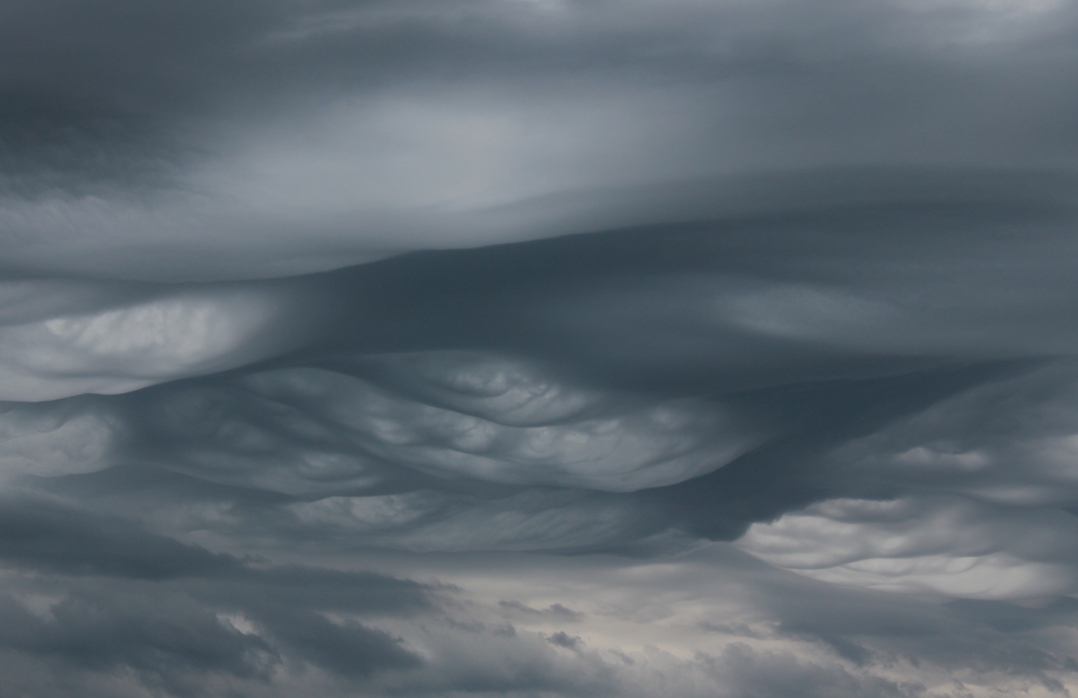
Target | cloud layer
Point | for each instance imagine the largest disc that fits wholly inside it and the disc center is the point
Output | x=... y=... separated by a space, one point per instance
x=299 y=136
x=538 y=348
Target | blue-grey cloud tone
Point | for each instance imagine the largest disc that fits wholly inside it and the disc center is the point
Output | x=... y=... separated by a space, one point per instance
x=538 y=348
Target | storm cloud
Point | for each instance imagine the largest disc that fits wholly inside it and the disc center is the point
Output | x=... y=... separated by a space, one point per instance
x=538 y=348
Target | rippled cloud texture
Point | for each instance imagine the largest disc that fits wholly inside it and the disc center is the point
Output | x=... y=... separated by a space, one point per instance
x=539 y=348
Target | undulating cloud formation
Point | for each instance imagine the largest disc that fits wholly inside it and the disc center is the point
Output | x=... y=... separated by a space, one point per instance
x=539 y=348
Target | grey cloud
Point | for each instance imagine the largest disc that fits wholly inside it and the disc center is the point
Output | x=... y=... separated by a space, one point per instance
x=949 y=546
x=349 y=649
x=161 y=641
x=255 y=624
x=739 y=304
x=177 y=639
x=59 y=338
x=43 y=535
x=52 y=538
x=770 y=674
x=563 y=639
x=565 y=667
x=574 y=289
x=104 y=597
x=379 y=128
x=351 y=430
x=343 y=425
x=539 y=350
x=762 y=288
x=263 y=438
x=57 y=438
x=555 y=610
x=972 y=443
x=1004 y=641
x=994 y=461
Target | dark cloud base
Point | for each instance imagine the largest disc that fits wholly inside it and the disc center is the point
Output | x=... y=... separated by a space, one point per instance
x=538 y=349
x=312 y=451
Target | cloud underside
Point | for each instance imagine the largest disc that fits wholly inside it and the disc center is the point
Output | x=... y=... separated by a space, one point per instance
x=250 y=141
x=538 y=348
x=683 y=403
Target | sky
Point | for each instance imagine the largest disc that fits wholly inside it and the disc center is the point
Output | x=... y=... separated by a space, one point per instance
x=539 y=348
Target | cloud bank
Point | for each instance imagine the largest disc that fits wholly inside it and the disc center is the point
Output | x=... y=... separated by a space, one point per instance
x=538 y=348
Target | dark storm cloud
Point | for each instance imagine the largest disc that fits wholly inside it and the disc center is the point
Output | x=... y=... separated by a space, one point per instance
x=873 y=633
x=178 y=55
x=792 y=413
x=174 y=636
x=45 y=536
x=291 y=136
x=117 y=598
x=615 y=361
x=869 y=629
x=196 y=55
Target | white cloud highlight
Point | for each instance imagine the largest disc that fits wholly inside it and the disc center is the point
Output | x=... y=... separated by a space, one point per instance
x=141 y=342
x=946 y=546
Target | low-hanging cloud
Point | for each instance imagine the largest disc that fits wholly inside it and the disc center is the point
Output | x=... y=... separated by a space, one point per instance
x=538 y=348
x=383 y=127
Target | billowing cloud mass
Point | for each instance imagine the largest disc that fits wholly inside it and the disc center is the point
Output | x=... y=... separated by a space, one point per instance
x=539 y=348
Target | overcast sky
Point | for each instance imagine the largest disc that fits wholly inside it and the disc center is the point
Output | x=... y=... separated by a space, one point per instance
x=539 y=348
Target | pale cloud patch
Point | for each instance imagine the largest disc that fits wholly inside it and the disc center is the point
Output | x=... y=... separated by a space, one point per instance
x=946 y=546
